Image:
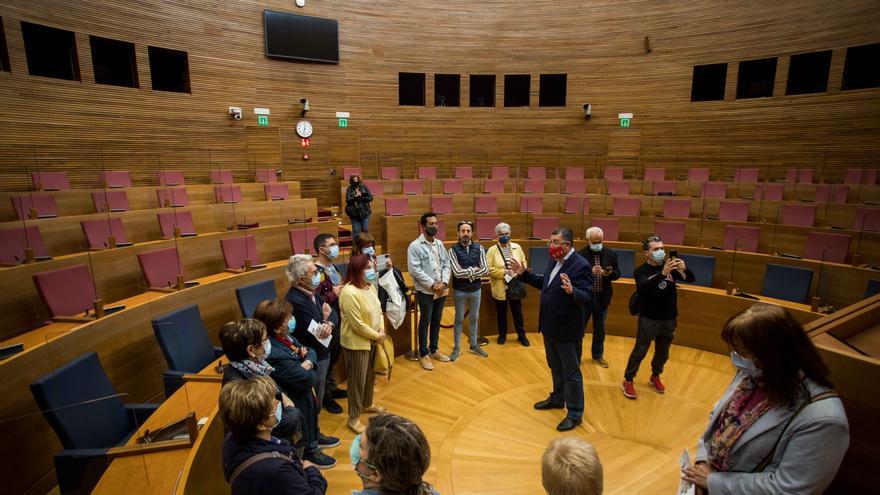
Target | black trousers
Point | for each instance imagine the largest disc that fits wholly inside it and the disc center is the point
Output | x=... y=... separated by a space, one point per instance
x=515 y=311
x=658 y=331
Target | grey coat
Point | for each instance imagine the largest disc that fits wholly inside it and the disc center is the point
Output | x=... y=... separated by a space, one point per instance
x=806 y=459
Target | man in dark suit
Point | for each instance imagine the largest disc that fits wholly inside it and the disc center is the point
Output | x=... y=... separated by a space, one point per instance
x=566 y=288
x=605 y=269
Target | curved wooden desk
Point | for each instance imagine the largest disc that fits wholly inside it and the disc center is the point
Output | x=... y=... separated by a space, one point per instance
x=64 y=235
x=117 y=273
x=79 y=201
x=792 y=192
x=840 y=285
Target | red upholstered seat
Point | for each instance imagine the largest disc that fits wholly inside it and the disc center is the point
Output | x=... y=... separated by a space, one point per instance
x=66 y=291
x=238 y=249
x=171 y=178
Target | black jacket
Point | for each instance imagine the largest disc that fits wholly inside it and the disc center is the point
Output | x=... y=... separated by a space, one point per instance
x=657 y=296
x=607 y=257
x=358 y=207
x=305 y=310
x=297 y=382
x=291 y=417
x=561 y=315
x=282 y=475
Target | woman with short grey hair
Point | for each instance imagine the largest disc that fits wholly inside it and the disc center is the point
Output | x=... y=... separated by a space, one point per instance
x=497 y=257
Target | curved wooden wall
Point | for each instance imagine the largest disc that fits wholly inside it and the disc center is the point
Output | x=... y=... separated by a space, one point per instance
x=600 y=45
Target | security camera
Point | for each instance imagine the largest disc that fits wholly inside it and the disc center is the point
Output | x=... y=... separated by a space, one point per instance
x=305 y=105
x=588 y=110
x=235 y=112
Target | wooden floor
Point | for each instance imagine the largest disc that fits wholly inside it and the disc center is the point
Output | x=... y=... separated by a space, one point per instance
x=487 y=439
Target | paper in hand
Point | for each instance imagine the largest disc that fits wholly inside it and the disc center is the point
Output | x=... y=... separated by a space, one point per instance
x=685 y=487
x=315 y=329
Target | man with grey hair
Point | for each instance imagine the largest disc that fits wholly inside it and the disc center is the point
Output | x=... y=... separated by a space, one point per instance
x=605 y=269
x=566 y=288
x=308 y=307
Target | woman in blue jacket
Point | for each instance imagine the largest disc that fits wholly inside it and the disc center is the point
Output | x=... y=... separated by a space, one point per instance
x=295 y=370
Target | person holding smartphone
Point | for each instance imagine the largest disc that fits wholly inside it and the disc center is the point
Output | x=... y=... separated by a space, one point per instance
x=657 y=309
x=605 y=269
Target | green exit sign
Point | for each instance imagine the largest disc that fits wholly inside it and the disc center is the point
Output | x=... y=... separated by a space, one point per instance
x=263 y=120
x=343 y=123
x=624 y=123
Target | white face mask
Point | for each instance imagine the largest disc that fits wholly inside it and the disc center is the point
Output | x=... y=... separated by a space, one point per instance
x=744 y=365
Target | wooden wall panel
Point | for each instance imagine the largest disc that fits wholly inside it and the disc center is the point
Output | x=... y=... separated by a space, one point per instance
x=68 y=125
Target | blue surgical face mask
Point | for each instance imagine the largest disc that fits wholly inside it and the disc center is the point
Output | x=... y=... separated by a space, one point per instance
x=744 y=365
x=291 y=325
x=354 y=453
x=658 y=255
x=278 y=414
x=369 y=250
x=596 y=247
x=334 y=252
x=316 y=280
x=370 y=275
x=267 y=348
x=504 y=239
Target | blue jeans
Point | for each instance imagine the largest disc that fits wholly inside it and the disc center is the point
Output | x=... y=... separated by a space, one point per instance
x=471 y=300
x=568 y=382
x=430 y=314
x=598 y=311
x=358 y=226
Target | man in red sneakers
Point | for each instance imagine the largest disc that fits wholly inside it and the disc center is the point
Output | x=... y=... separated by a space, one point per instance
x=657 y=308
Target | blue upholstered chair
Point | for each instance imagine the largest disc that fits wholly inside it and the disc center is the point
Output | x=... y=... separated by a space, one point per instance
x=185 y=343
x=787 y=282
x=249 y=296
x=702 y=266
x=626 y=260
x=89 y=417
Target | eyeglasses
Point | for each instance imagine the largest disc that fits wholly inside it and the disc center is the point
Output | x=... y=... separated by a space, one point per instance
x=653 y=238
x=554 y=242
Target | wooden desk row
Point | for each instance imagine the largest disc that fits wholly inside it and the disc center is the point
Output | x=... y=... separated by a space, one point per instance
x=465 y=205
x=117 y=273
x=793 y=192
x=79 y=201
x=64 y=235
x=839 y=285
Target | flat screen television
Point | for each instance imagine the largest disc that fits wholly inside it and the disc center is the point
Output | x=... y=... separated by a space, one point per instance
x=301 y=37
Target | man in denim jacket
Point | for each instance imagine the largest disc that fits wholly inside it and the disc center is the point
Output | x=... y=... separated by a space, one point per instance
x=428 y=264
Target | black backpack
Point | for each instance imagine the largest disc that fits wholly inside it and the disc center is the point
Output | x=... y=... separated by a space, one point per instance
x=634 y=303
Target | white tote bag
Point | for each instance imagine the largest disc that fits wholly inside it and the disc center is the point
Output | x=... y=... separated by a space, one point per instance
x=395 y=308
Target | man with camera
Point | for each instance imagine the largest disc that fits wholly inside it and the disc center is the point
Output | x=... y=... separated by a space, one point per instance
x=657 y=309
x=604 y=269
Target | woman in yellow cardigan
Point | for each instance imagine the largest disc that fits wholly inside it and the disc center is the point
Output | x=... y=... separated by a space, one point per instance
x=363 y=326
x=497 y=257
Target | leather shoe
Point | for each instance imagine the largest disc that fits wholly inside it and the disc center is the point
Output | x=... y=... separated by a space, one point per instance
x=568 y=424
x=339 y=393
x=548 y=404
x=502 y=339
x=523 y=340
x=331 y=406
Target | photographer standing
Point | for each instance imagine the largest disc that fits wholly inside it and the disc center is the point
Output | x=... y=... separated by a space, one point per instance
x=657 y=308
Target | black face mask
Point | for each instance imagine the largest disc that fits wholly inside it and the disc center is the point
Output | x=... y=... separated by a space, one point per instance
x=430 y=231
